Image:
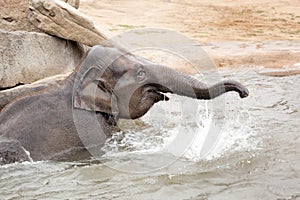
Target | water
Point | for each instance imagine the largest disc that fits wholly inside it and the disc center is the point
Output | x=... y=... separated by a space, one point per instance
x=257 y=154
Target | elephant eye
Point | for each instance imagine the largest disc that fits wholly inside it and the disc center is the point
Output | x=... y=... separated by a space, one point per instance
x=141 y=75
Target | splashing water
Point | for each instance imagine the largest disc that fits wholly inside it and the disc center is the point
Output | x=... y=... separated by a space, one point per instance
x=160 y=131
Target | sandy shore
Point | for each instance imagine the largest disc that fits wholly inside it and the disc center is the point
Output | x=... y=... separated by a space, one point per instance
x=265 y=33
x=203 y=20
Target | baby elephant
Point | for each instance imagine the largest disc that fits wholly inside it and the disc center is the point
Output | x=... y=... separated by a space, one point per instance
x=108 y=85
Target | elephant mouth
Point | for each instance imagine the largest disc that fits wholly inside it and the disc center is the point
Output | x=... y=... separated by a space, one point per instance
x=156 y=92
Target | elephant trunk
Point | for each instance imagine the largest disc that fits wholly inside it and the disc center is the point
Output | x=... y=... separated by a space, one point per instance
x=184 y=85
x=220 y=88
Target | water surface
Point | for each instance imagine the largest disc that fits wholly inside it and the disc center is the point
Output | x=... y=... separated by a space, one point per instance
x=257 y=154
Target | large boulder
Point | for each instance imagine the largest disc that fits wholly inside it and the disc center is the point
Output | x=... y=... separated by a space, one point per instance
x=58 y=18
x=30 y=56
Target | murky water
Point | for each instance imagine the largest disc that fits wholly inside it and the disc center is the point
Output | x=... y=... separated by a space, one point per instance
x=257 y=154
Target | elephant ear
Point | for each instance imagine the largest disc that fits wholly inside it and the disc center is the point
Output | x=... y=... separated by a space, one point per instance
x=95 y=94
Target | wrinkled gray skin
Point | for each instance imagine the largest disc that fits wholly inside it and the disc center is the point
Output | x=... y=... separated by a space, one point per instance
x=107 y=83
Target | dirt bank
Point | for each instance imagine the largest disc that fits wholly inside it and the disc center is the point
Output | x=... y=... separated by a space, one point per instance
x=203 y=20
x=258 y=25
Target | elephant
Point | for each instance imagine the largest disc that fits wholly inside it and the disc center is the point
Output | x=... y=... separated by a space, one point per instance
x=108 y=84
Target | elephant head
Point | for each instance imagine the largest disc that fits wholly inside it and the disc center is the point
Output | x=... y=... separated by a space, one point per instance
x=128 y=86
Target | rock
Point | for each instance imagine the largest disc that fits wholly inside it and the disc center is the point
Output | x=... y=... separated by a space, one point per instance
x=6 y=96
x=60 y=19
x=29 y=56
x=13 y=15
